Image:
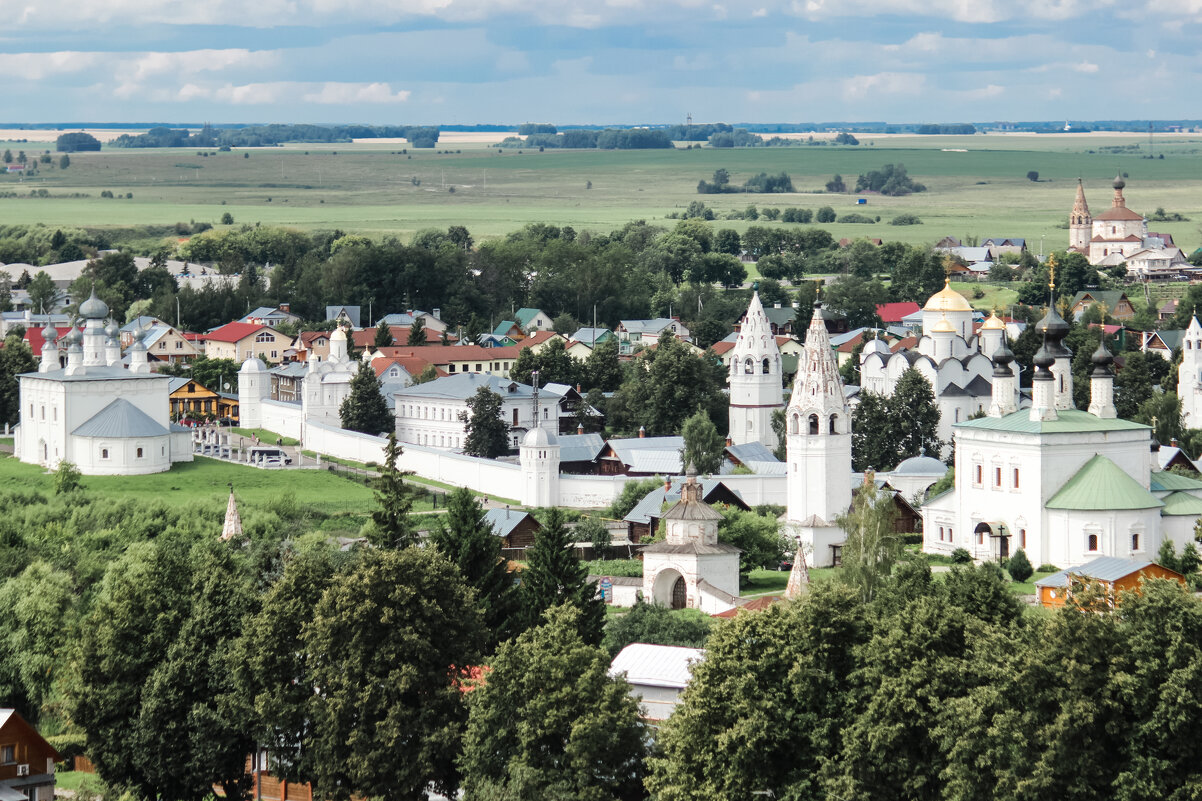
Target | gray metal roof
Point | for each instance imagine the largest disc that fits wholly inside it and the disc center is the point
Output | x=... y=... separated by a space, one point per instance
x=290 y=369
x=654 y=501
x=101 y=372
x=580 y=447
x=1104 y=568
x=176 y=382
x=752 y=452
x=590 y=335
x=647 y=326
x=352 y=313
x=656 y=665
x=120 y=419
x=462 y=386
x=504 y=521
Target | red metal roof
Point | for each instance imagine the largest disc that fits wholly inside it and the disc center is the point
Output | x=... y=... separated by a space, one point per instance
x=33 y=338
x=234 y=332
x=894 y=312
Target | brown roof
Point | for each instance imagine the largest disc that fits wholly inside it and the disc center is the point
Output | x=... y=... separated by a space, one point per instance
x=1130 y=238
x=754 y=605
x=1118 y=213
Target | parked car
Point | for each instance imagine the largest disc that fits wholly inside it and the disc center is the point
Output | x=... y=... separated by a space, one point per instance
x=270 y=456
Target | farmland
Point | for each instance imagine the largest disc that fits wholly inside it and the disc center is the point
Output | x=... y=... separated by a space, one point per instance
x=976 y=185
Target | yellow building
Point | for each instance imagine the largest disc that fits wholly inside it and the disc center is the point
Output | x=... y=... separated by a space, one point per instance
x=191 y=399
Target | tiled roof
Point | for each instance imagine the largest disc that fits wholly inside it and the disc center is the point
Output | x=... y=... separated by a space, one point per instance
x=1102 y=485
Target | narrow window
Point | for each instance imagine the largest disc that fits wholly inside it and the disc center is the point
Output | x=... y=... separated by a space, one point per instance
x=941 y=533
x=1016 y=478
x=1092 y=544
x=980 y=474
x=980 y=538
x=1135 y=542
x=766 y=366
x=104 y=453
x=997 y=477
x=1022 y=538
x=139 y=453
x=813 y=424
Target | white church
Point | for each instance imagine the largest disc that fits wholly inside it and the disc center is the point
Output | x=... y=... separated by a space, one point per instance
x=949 y=355
x=104 y=418
x=1065 y=485
x=755 y=379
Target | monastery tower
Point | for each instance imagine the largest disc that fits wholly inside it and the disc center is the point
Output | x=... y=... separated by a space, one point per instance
x=819 y=448
x=1080 y=223
x=755 y=379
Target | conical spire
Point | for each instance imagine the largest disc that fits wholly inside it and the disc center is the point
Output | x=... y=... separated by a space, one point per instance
x=799 y=576
x=233 y=522
x=1080 y=215
x=818 y=384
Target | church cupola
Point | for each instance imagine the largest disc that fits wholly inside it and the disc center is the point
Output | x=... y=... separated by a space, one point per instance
x=49 y=349
x=691 y=520
x=943 y=334
x=992 y=335
x=756 y=386
x=1101 y=383
x=1054 y=329
x=1119 y=201
x=1043 y=386
x=1005 y=384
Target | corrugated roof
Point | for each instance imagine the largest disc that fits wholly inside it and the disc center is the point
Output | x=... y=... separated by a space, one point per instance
x=652 y=503
x=656 y=665
x=1102 y=484
x=1104 y=568
x=235 y=332
x=525 y=315
x=462 y=386
x=751 y=452
x=1069 y=421
x=1182 y=503
x=120 y=419
x=1164 y=481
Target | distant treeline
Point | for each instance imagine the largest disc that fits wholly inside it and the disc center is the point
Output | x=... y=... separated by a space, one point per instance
x=607 y=139
x=267 y=135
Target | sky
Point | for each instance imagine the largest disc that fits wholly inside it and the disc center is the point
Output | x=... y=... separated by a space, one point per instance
x=598 y=61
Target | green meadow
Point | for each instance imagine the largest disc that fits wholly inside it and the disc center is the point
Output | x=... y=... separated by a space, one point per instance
x=977 y=185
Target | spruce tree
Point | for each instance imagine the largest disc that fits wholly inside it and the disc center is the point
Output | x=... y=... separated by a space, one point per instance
x=383 y=335
x=364 y=409
x=394 y=501
x=417 y=332
x=467 y=539
x=554 y=576
x=487 y=435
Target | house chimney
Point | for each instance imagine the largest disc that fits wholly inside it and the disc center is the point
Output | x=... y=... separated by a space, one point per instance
x=667 y=483
x=642 y=432
x=1173 y=441
x=729 y=441
x=438 y=314
x=579 y=428
x=286 y=307
x=869 y=478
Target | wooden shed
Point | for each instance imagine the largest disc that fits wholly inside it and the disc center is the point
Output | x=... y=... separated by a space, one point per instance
x=1114 y=573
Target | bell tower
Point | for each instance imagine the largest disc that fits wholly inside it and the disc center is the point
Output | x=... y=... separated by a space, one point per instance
x=756 y=390
x=1080 y=223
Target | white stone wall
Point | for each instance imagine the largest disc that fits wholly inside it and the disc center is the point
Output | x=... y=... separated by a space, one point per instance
x=122 y=459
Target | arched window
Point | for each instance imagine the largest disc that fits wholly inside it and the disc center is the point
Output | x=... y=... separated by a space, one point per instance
x=139 y=453
x=766 y=366
x=1022 y=538
x=813 y=424
x=749 y=366
x=1092 y=544
x=831 y=424
x=795 y=424
x=104 y=453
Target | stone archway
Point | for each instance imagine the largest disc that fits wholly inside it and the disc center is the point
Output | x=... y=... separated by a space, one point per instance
x=670 y=589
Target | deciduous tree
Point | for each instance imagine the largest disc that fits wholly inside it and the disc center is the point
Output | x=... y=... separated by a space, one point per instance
x=487 y=435
x=364 y=408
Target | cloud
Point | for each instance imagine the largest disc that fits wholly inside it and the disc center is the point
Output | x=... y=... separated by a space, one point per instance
x=37 y=66
x=329 y=93
x=891 y=83
x=1086 y=67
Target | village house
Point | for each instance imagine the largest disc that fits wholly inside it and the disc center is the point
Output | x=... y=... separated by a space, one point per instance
x=428 y=414
x=191 y=399
x=241 y=341
x=1114 y=303
x=26 y=761
x=265 y=315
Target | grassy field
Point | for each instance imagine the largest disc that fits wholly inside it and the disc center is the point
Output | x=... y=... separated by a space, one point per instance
x=207 y=481
x=378 y=190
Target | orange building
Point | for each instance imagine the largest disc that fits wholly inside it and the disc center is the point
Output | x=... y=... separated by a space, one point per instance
x=1113 y=573
x=192 y=399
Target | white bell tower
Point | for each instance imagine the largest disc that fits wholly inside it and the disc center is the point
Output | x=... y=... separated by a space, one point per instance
x=756 y=390
x=1189 y=376
x=819 y=448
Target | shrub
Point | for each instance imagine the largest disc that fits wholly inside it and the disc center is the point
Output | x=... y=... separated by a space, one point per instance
x=961 y=557
x=906 y=219
x=227 y=219
x=630 y=568
x=1048 y=568
x=856 y=218
x=1020 y=566
x=1033 y=176
x=825 y=215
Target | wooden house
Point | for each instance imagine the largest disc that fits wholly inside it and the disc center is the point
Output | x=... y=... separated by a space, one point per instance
x=516 y=528
x=26 y=761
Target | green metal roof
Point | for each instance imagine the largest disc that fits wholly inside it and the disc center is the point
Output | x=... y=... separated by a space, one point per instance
x=503 y=328
x=1182 y=503
x=1069 y=421
x=525 y=315
x=1102 y=484
x=1167 y=481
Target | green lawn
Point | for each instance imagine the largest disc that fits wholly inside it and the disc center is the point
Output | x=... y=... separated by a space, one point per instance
x=207 y=481
x=74 y=781
x=374 y=190
x=994 y=297
x=773 y=582
x=265 y=436
x=1028 y=587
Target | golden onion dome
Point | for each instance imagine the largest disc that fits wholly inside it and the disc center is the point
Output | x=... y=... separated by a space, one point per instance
x=994 y=323
x=944 y=326
x=947 y=300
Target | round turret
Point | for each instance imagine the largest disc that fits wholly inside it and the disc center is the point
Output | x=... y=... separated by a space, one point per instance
x=93 y=308
x=1119 y=183
x=111 y=330
x=1054 y=329
x=74 y=336
x=539 y=437
x=1043 y=361
x=1003 y=357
